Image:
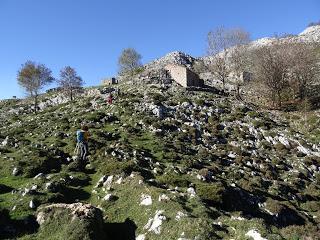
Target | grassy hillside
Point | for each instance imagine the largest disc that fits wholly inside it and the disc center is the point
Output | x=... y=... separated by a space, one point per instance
x=163 y=164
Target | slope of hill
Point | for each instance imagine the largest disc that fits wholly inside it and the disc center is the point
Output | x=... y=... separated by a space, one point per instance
x=163 y=164
x=176 y=57
x=310 y=34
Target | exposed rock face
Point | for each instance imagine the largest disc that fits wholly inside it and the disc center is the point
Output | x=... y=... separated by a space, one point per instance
x=311 y=33
x=176 y=58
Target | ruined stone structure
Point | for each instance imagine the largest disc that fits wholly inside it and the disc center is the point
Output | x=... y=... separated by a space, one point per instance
x=109 y=81
x=184 y=76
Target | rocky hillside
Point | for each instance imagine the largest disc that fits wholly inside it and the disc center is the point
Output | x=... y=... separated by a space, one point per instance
x=310 y=34
x=177 y=58
x=165 y=163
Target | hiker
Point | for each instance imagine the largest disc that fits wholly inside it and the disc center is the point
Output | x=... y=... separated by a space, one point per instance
x=110 y=98
x=117 y=92
x=82 y=143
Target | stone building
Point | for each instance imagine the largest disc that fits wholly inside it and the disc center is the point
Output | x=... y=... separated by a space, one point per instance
x=184 y=76
x=109 y=81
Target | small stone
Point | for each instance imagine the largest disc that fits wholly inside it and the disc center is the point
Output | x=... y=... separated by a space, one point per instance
x=119 y=181
x=146 y=200
x=108 y=182
x=141 y=237
x=15 y=171
x=39 y=175
x=180 y=215
x=108 y=197
x=101 y=181
x=163 y=197
x=191 y=191
x=32 y=205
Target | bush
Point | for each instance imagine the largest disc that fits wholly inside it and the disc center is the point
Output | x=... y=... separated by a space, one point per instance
x=173 y=179
x=280 y=147
x=210 y=192
x=212 y=120
x=200 y=102
x=158 y=98
x=111 y=167
x=253 y=114
x=95 y=116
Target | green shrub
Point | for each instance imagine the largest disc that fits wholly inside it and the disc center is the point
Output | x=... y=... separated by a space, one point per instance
x=95 y=116
x=158 y=98
x=210 y=192
x=111 y=167
x=200 y=102
x=253 y=114
x=173 y=179
x=212 y=120
x=280 y=147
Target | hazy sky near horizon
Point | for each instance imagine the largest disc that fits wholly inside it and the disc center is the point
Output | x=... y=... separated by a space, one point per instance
x=89 y=35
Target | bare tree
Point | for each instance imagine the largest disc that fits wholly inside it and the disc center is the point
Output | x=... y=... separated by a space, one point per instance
x=219 y=45
x=287 y=69
x=33 y=77
x=304 y=67
x=239 y=62
x=69 y=81
x=272 y=69
x=129 y=60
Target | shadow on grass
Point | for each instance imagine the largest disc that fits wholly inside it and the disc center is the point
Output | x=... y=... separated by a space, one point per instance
x=121 y=231
x=71 y=195
x=12 y=228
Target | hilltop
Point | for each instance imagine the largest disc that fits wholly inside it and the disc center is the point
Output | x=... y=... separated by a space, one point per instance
x=165 y=163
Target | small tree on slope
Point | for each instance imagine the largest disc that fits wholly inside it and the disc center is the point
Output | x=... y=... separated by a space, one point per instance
x=129 y=60
x=69 y=81
x=33 y=77
x=220 y=44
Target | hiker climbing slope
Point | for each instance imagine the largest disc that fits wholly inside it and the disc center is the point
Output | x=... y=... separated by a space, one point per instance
x=82 y=143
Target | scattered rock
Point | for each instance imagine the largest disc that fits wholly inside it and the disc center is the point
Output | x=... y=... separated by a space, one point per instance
x=32 y=205
x=146 y=200
x=154 y=224
x=15 y=172
x=163 y=197
x=191 y=191
x=255 y=235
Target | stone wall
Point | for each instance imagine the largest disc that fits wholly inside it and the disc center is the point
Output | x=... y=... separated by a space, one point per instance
x=109 y=81
x=184 y=76
x=193 y=79
x=178 y=73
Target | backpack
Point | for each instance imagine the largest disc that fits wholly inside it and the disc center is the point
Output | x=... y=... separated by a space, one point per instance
x=80 y=136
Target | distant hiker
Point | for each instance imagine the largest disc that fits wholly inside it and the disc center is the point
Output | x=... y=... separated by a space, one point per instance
x=110 y=98
x=117 y=92
x=82 y=143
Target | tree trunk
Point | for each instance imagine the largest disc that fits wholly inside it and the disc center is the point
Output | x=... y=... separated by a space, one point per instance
x=71 y=96
x=35 y=103
x=279 y=99
x=223 y=84
x=238 y=91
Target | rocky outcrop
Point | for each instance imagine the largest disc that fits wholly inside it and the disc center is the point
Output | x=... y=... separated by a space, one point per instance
x=176 y=58
x=75 y=221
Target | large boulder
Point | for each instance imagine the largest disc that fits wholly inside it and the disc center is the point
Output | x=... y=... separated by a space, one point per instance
x=70 y=221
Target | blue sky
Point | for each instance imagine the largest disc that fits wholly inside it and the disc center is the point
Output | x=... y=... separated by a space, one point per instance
x=90 y=34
